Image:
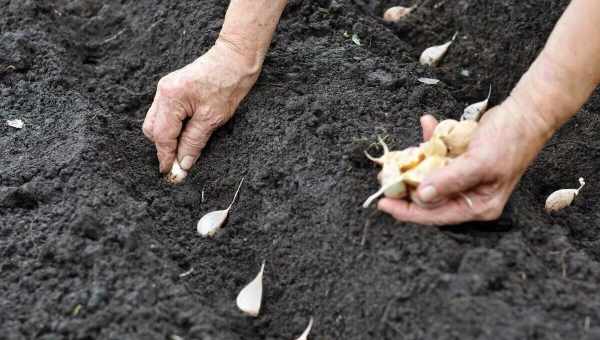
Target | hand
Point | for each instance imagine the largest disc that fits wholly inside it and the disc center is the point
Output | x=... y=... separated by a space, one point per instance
x=476 y=185
x=192 y=102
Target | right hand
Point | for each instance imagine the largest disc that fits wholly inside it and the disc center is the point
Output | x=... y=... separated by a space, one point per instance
x=206 y=93
x=476 y=185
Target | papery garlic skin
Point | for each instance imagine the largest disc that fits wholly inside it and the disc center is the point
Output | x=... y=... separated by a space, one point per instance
x=177 y=174
x=250 y=297
x=432 y=55
x=394 y=14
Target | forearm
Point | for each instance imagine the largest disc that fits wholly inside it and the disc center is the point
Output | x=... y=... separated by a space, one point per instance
x=565 y=73
x=249 y=26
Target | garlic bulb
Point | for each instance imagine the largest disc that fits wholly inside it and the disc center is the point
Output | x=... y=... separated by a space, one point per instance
x=304 y=335
x=250 y=297
x=563 y=198
x=177 y=174
x=432 y=55
x=474 y=111
x=394 y=14
x=210 y=223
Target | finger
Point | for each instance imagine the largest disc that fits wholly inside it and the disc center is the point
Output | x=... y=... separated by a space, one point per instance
x=460 y=175
x=452 y=212
x=193 y=139
x=428 y=123
x=166 y=129
x=148 y=125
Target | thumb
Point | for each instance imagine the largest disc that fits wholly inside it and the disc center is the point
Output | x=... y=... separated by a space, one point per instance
x=193 y=139
x=460 y=175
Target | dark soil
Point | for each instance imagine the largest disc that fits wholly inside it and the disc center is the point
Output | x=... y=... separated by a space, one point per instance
x=92 y=240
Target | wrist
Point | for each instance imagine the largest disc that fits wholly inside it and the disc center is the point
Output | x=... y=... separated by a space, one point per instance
x=247 y=56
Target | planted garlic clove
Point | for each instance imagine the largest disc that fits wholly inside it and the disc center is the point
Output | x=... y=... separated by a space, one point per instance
x=474 y=111
x=563 y=198
x=432 y=55
x=250 y=297
x=444 y=128
x=16 y=123
x=394 y=14
x=210 y=223
x=459 y=137
x=428 y=81
x=177 y=174
x=304 y=335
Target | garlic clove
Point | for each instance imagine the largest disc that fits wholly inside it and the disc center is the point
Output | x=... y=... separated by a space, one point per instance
x=408 y=158
x=432 y=55
x=250 y=297
x=563 y=198
x=386 y=152
x=16 y=123
x=425 y=168
x=304 y=335
x=474 y=111
x=380 y=192
x=394 y=14
x=459 y=137
x=444 y=128
x=210 y=223
x=434 y=147
x=177 y=174
x=428 y=81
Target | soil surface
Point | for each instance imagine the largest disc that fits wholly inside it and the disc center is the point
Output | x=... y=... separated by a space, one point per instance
x=93 y=241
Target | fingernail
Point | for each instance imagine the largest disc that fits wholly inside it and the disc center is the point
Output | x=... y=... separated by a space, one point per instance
x=428 y=194
x=187 y=162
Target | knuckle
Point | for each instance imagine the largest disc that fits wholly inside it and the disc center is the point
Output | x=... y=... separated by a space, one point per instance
x=169 y=85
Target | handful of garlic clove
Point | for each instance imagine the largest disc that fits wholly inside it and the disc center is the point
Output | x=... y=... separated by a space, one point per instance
x=403 y=171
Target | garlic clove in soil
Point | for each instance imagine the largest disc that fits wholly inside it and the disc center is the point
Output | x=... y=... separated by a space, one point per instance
x=304 y=335
x=432 y=55
x=250 y=297
x=474 y=111
x=177 y=174
x=563 y=198
x=16 y=123
x=428 y=81
x=210 y=223
x=394 y=14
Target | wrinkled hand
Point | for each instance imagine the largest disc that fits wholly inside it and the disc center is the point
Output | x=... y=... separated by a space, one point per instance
x=504 y=144
x=192 y=102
